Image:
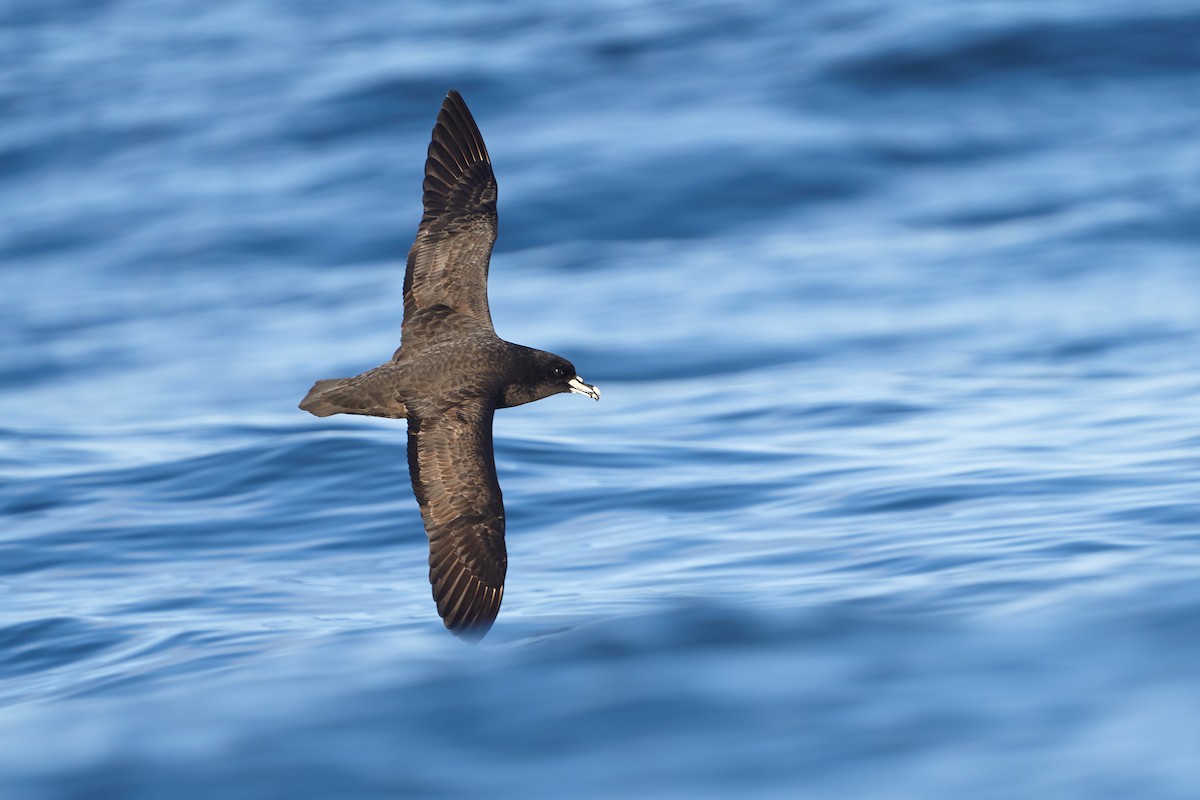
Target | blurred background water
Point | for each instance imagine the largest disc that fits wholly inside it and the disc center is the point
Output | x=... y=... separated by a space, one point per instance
x=893 y=488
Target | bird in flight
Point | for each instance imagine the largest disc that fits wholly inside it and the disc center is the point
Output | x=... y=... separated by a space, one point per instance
x=449 y=376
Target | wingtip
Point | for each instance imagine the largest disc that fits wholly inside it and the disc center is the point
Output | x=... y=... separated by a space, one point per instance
x=459 y=132
x=474 y=624
x=468 y=612
x=471 y=634
x=458 y=170
x=453 y=101
x=454 y=98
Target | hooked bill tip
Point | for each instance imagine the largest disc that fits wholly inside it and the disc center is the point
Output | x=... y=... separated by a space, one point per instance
x=586 y=389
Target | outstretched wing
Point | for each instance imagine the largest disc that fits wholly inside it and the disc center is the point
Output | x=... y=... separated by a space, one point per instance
x=448 y=262
x=453 y=473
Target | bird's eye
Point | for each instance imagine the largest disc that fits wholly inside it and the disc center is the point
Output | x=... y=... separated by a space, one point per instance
x=559 y=372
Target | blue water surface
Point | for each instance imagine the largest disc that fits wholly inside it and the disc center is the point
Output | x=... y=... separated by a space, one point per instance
x=892 y=492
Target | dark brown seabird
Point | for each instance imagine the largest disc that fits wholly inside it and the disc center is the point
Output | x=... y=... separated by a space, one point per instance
x=450 y=375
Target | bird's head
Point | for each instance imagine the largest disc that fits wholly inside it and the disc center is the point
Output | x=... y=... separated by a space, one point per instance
x=542 y=374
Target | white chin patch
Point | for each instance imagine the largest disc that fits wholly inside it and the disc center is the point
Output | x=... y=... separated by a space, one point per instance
x=579 y=387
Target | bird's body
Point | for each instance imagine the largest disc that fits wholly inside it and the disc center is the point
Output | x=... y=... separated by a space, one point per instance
x=450 y=374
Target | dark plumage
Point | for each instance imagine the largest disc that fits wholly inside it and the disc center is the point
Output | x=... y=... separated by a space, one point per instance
x=449 y=376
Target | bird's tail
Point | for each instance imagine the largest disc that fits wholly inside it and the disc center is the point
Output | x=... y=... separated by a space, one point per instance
x=368 y=394
x=317 y=403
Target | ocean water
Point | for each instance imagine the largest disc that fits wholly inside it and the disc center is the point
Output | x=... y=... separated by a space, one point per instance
x=892 y=492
